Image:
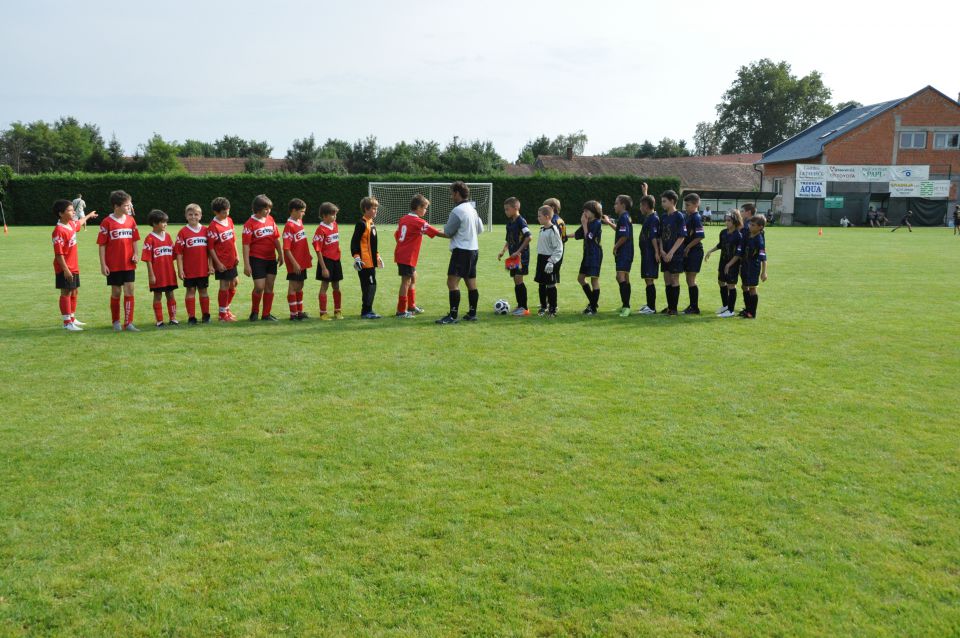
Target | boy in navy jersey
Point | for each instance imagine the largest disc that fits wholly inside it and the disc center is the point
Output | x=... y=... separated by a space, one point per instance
x=623 y=248
x=673 y=230
x=693 y=250
x=649 y=249
x=589 y=232
x=754 y=256
x=518 y=245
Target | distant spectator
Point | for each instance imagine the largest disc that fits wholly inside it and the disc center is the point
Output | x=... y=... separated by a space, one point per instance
x=79 y=210
x=872 y=218
x=707 y=216
x=956 y=219
x=846 y=223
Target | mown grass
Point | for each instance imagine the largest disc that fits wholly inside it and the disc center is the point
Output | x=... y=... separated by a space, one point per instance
x=796 y=475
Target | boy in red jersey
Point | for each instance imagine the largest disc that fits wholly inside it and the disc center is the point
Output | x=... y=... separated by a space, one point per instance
x=222 y=250
x=326 y=243
x=118 y=258
x=409 y=235
x=158 y=256
x=66 y=266
x=262 y=254
x=193 y=264
x=296 y=251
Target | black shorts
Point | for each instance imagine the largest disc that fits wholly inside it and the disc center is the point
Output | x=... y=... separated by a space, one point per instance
x=542 y=277
x=463 y=263
x=262 y=267
x=624 y=261
x=63 y=284
x=120 y=277
x=163 y=288
x=675 y=266
x=693 y=261
x=406 y=270
x=750 y=276
x=524 y=269
x=590 y=267
x=227 y=275
x=729 y=277
x=556 y=271
x=297 y=276
x=649 y=268
x=197 y=282
x=333 y=267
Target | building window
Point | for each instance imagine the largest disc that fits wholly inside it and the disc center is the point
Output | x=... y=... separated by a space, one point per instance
x=945 y=141
x=913 y=140
x=778 y=186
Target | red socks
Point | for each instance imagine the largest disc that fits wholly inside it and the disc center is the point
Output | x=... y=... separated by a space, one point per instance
x=65 y=309
x=323 y=303
x=73 y=306
x=255 y=308
x=300 y=302
x=191 y=306
x=267 y=303
x=336 y=300
x=292 y=303
x=205 y=306
x=127 y=310
x=401 y=304
x=115 y=309
x=223 y=301
x=172 y=308
x=158 y=311
x=411 y=297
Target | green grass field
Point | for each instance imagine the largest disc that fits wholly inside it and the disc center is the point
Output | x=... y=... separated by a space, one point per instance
x=796 y=475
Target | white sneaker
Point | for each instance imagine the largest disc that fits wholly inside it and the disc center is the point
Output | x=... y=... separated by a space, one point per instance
x=132 y=328
x=721 y=311
x=647 y=310
x=726 y=313
x=72 y=327
x=117 y=327
x=78 y=323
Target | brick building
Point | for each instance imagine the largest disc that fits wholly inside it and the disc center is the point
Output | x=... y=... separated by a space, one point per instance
x=921 y=130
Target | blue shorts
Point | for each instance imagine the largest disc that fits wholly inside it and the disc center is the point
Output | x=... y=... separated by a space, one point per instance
x=675 y=266
x=693 y=261
x=649 y=268
x=750 y=276
x=624 y=261
x=591 y=266
x=729 y=277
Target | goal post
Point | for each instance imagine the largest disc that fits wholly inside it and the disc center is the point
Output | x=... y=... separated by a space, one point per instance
x=394 y=198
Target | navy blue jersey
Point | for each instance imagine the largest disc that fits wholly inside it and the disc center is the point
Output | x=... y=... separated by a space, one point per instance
x=694 y=229
x=672 y=227
x=625 y=229
x=649 y=230
x=591 y=242
x=517 y=231
x=753 y=251
x=728 y=245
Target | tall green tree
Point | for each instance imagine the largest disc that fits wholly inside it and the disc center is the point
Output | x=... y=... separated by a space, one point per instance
x=706 y=139
x=767 y=104
x=543 y=145
x=303 y=155
x=160 y=156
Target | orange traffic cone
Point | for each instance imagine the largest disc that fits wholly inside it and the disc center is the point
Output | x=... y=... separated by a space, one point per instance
x=820 y=232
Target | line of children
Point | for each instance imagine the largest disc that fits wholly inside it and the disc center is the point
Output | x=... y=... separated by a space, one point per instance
x=517 y=244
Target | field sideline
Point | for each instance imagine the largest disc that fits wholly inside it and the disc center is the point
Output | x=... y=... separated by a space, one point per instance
x=796 y=475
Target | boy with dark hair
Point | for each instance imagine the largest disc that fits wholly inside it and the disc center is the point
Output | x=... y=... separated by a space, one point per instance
x=222 y=243
x=904 y=221
x=158 y=256
x=692 y=250
x=193 y=264
x=66 y=264
x=262 y=254
x=623 y=248
x=649 y=250
x=754 y=256
x=673 y=230
x=549 y=254
x=463 y=229
x=326 y=243
x=296 y=253
x=366 y=259
x=747 y=211
x=728 y=268
x=590 y=229
x=118 y=258
x=409 y=236
x=518 y=244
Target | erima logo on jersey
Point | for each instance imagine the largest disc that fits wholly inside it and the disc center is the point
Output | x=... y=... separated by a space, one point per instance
x=121 y=233
x=300 y=236
x=163 y=251
x=226 y=235
x=266 y=231
x=328 y=239
x=194 y=242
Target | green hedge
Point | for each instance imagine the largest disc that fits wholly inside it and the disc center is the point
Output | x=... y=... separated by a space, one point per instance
x=29 y=197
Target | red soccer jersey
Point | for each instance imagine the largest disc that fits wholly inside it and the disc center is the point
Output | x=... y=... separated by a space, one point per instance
x=295 y=240
x=261 y=235
x=326 y=241
x=118 y=236
x=192 y=244
x=409 y=235
x=65 y=243
x=159 y=251
x=222 y=240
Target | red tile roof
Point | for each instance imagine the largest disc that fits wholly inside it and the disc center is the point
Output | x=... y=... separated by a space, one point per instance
x=226 y=165
x=694 y=174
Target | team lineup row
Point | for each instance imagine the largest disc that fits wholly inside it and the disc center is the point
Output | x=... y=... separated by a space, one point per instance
x=671 y=242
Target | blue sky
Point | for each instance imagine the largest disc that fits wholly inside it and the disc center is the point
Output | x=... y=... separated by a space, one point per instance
x=504 y=71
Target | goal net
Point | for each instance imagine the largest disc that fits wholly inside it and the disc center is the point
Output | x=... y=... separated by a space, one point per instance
x=394 y=198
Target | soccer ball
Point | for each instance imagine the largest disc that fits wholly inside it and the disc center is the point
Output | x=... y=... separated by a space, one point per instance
x=501 y=307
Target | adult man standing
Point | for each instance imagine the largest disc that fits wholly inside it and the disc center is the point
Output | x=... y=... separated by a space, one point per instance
x=79 y=209
x=463 y=228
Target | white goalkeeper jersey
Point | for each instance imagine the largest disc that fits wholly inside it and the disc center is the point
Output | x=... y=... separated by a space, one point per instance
x=463 y=227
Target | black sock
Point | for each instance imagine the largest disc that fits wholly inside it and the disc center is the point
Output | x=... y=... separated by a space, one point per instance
x=724 y=295
x=521 y=292
x=694 y=297
x=473 y=296
x=552 y=298
x=542 y=289
x=596 y=298
x=625 y=294
x=588 y=291
x=454 y=303
x=732 y=299
x=674 y=297
x=652 y=296
x=753 y=304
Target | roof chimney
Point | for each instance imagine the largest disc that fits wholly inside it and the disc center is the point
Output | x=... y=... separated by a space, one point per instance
x=569 y=152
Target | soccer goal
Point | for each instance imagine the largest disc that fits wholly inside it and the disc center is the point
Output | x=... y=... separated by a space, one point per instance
x=394 y=198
